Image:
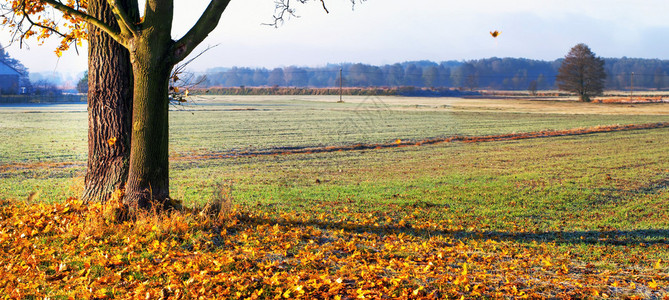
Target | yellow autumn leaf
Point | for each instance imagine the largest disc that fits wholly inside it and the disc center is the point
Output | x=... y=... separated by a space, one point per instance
x=111 y=141
x=547 y=263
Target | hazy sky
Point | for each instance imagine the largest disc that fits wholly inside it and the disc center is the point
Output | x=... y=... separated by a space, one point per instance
x=388 y=31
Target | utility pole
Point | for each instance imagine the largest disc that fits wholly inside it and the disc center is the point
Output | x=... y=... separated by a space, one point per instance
x=632 y=86
x=341 y=85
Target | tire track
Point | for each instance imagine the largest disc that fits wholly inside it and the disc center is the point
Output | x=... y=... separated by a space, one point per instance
x=400 y=143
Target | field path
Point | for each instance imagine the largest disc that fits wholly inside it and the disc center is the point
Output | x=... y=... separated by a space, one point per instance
x=400 y=143
x=357 y=147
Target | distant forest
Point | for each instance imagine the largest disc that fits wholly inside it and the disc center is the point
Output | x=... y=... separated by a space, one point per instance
x=490 y=73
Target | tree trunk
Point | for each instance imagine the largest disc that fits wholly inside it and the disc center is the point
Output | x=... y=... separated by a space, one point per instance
x=109 y=110
x=148 y=179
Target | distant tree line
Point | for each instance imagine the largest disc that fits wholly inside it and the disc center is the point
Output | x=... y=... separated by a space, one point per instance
x=490 y=73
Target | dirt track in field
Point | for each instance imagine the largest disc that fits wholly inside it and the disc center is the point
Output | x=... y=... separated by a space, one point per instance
x=400 y=143
x=357 y=147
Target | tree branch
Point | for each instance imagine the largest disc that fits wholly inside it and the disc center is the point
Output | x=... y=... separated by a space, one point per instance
x=282 y=9
x=32 y=23
x=122 y=18
x=116 y=35
x=206 y=24
x=325 y=8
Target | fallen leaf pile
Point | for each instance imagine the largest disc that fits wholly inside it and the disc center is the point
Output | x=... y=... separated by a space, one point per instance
x=69 y=250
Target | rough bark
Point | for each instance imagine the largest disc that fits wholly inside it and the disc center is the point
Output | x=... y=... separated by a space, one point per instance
x=153 y=54
x=109 y=110
x=148 y=178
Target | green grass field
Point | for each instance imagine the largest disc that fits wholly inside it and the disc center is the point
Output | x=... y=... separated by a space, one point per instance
x=600 y=199
x=529 y=172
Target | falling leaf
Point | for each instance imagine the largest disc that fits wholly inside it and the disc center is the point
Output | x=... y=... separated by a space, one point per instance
x=495 y=33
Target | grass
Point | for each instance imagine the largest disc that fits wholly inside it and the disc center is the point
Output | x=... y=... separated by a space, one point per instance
x=585 y=213
x=58 y=133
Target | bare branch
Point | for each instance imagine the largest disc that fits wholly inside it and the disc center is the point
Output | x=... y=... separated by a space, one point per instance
x=180 y=85
x=206 y=24
x=325 y=8
x=284 y=10
x=179 y=68
x=282 y=7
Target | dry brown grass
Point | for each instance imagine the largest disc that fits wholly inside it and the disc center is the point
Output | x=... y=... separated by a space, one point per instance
x=632 y=100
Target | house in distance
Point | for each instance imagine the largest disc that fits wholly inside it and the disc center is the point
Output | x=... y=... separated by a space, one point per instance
x=9 y=79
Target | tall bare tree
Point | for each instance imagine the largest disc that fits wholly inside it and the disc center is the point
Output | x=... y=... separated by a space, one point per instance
x=582 y=73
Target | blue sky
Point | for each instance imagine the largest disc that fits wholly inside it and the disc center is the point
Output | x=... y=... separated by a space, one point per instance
x=388 y=31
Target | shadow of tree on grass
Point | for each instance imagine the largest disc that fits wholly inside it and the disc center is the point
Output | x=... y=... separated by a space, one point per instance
x=639 y=237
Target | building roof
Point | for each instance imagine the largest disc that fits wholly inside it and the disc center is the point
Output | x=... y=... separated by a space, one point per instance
x=5 y=69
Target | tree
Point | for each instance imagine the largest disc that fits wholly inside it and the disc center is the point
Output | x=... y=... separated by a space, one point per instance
x=45 y=87
x=276 y=77
x=413 y=75
x=431 y=76
x=395 y=75
x=82 y=85
x=232 y=78
x=582 y=72
x=470 y=76
x=532 y=87
x=109 y=90
x=153 y=53
x=296 y=76
x=260 y=76
x=658 y=78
